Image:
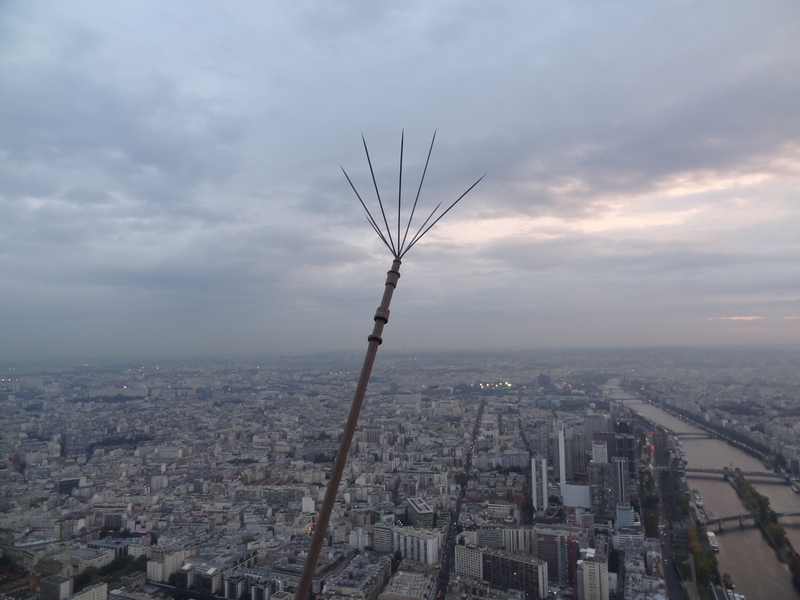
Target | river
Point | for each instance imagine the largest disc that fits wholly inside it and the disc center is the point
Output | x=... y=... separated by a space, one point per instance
x=744 y=553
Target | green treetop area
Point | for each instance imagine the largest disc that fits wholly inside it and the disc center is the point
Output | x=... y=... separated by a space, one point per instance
x=113 y=571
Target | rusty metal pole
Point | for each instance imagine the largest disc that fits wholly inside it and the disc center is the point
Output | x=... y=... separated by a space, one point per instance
x=375 y=340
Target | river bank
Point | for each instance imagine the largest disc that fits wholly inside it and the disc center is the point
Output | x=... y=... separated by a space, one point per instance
x=744 y=552
x=767 y=523
x=755 y=450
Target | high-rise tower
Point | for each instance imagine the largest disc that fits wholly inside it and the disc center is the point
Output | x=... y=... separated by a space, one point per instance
x=539 y=483
x=601 y=490
x=620 y=480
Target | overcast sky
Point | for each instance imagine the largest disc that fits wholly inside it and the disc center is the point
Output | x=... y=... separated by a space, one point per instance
x=170 y=177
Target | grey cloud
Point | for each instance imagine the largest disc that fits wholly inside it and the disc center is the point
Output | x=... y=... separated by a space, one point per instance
x=177 y=169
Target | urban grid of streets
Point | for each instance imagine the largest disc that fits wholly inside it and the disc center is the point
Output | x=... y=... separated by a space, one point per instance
x=222 y=459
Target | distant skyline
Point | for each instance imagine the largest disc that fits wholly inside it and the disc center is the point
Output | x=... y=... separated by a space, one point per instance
x=170 y=178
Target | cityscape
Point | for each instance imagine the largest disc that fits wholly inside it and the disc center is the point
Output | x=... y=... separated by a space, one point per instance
x=584 y=386
x=508 y=476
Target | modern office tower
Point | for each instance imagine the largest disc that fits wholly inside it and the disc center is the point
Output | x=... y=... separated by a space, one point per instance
x=382 y=539
x=489 y=537
x=594 y=423
x=620 y=480
x=561 y=452
x=420 y=514
x=601 y=490
x=593 y=569
x=624 y=516
x=539 y=483
x=515 y=572
x=559 y=546
x=609 y=439
x=579 y=459
x=518 y=539
x=626 y=446
x=543 y=440
x=569 y=450
x=538 y=435
x=599 y=452
x=55 y=587
x=502 y=569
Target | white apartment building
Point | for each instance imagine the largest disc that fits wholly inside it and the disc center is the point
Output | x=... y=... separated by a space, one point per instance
x=84 y=557
x=594 y=576
x=164 y=563
x=415 y=544
x=469 y=561
x=93 y=592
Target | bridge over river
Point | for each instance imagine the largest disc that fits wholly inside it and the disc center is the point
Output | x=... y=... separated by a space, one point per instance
x=734 y=472
x=695 y=435
x=795 y=512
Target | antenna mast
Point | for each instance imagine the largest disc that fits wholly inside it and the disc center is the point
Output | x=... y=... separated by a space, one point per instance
x=398 y=248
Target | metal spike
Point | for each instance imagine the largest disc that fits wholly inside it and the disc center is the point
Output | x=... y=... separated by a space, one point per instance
x=443 y=214
x=375 y=339
x=380 y=202
x=400 y=189
x=419 y=189
x=378 y=231
x=421 y=227
x=370 y=218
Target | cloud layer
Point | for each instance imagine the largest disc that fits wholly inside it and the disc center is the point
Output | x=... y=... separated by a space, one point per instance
x=170 y=183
